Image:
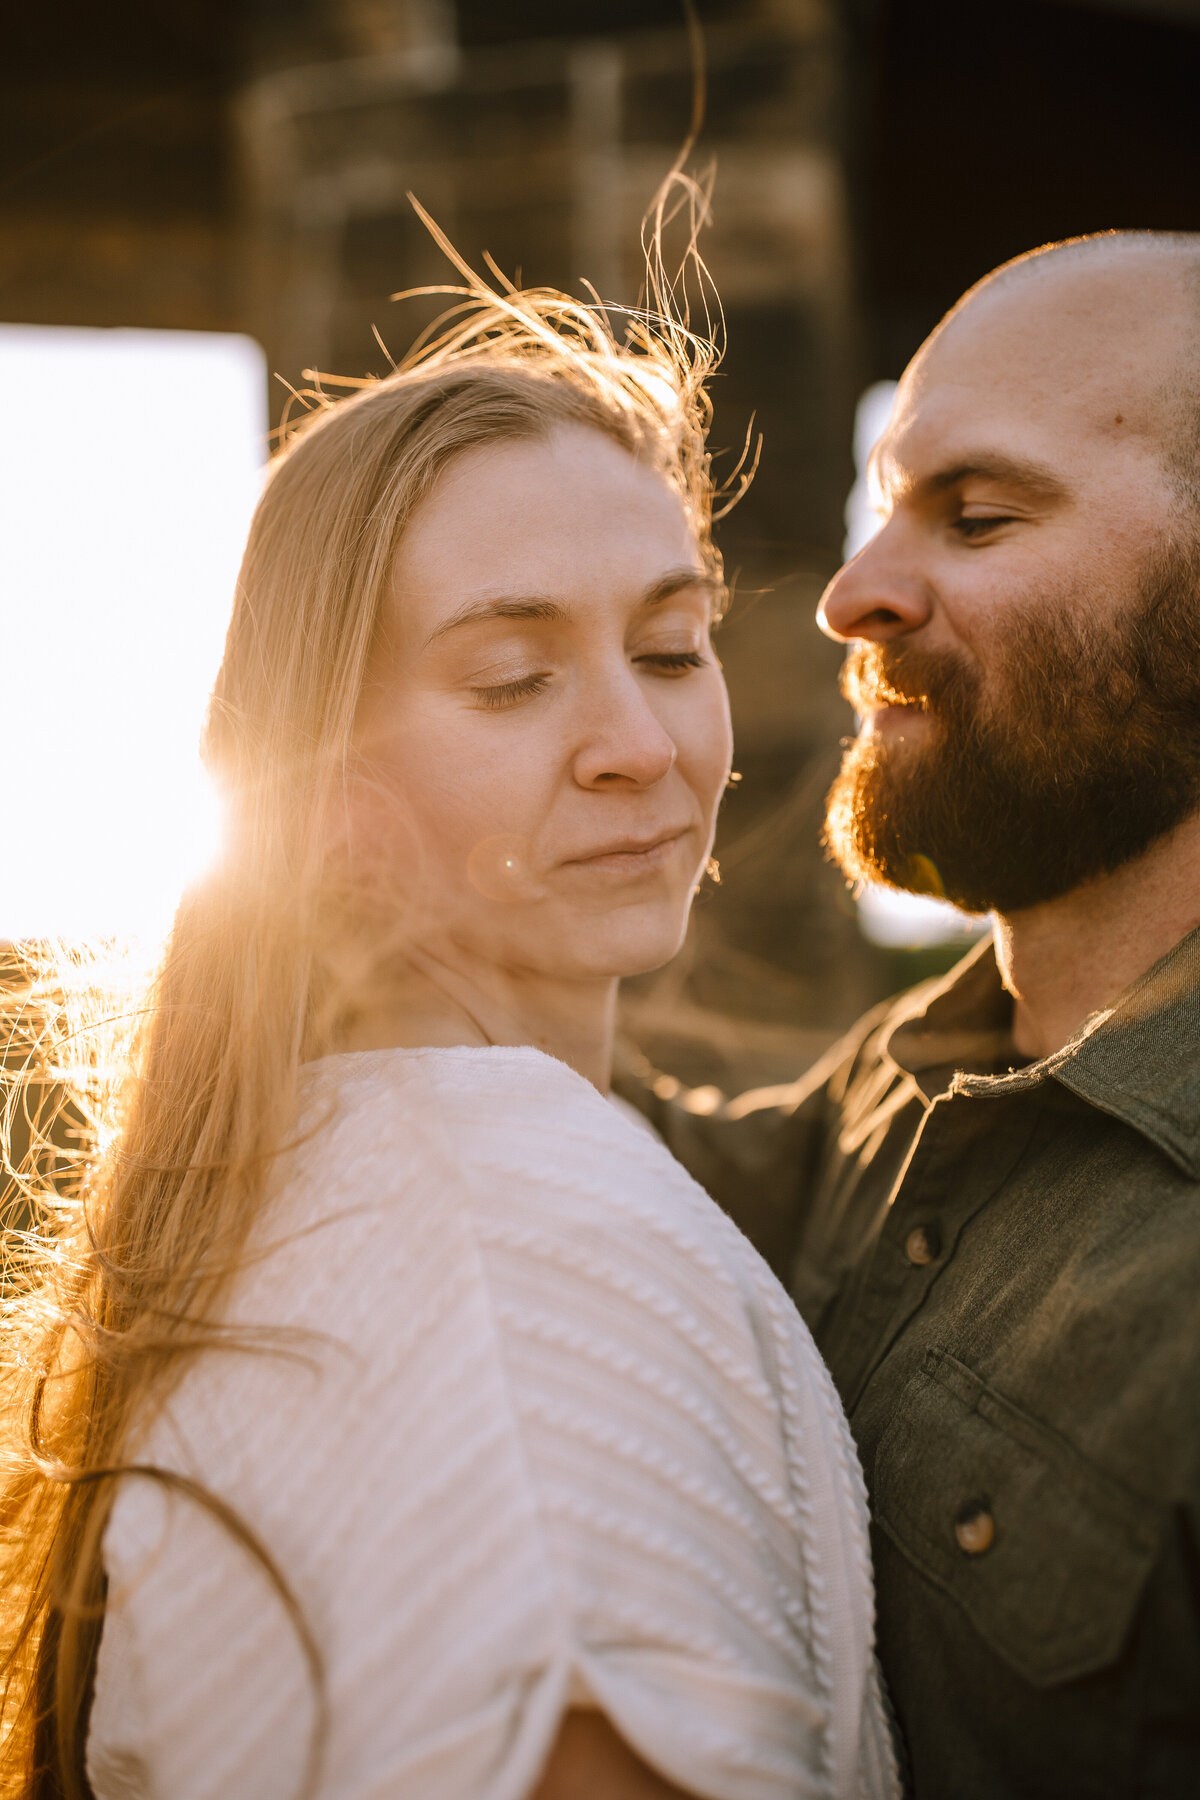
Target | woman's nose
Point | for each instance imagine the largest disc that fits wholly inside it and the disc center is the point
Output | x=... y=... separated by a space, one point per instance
x=625 y=742
x=877 y=596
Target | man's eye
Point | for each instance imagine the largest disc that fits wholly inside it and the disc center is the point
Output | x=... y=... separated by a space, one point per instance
x=673 y=662
x=979 y=525
x=509 y=693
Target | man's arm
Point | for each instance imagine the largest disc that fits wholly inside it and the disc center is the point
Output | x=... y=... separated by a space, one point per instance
x=760 y=1154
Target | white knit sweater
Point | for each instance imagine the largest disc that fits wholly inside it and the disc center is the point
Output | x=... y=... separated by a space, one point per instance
x=537 y=1423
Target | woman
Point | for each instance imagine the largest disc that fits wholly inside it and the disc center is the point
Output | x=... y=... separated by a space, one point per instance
x=400 y=1419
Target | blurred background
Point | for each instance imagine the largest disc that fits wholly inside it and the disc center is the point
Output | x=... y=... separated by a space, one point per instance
x=200 y=199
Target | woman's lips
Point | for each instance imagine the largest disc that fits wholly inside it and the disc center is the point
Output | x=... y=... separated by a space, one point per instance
x=629 y=856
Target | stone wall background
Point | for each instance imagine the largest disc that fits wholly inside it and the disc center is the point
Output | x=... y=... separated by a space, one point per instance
x=217 y=165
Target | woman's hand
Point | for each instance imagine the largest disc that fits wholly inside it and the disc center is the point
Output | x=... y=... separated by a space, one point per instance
x=590 y=1761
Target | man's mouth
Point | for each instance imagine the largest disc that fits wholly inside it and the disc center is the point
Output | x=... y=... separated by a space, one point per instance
x=889 y=715
x=868 y=690
x=883 y=697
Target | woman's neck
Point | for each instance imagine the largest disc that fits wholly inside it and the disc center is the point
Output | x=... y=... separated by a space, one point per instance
x=444 y=1001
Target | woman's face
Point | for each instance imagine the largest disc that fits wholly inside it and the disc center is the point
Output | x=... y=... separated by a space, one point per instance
x=545 y=732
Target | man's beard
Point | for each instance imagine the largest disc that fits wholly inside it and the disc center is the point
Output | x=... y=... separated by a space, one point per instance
x=1077 y=749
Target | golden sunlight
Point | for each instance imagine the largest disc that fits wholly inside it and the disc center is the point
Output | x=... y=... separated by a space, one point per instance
x=893 y=920
x=129 y=464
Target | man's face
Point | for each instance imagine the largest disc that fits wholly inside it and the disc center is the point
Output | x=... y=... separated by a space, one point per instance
x=1027 y=617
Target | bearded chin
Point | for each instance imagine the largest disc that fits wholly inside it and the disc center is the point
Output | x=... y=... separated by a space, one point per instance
x=891 y=819
x=860 y=834
x=1084 y=753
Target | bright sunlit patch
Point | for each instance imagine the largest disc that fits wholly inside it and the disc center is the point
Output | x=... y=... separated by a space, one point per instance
x=899 y=921
x=129 y=465
x=891 y=919
x=870 y=422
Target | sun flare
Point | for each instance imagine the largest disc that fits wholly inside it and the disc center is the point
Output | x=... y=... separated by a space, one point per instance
x=128 y=470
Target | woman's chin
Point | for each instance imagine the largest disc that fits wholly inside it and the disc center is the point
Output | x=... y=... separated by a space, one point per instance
x=569 y=942
x=620 y=951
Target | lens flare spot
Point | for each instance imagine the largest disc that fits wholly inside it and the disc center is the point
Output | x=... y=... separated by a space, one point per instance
x=501 y=868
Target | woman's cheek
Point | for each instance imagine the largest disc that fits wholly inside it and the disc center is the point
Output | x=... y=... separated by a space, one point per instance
x=487 y=793
x=710 y=740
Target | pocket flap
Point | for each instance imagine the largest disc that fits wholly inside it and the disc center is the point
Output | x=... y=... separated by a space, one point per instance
x=1045 y=1553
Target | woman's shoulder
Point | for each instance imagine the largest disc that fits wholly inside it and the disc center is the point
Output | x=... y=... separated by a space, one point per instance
x=592 y=1240
x=481 y=1093
x=495 y=1089
x=509 y=1111
x=512 y=1135
x=498 y=1188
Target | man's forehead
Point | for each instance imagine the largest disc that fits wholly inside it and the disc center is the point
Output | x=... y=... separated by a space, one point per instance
x=1128 y=307
x=1010 y=417
x=1059 y=360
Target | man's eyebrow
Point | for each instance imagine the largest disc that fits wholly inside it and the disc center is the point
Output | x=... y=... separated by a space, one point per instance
x=1011 y=471
x=542 y=609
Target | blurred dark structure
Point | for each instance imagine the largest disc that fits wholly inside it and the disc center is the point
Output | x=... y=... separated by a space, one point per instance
x=213 y=165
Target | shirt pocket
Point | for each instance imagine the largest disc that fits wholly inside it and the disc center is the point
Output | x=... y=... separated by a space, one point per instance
x=1045 y=1554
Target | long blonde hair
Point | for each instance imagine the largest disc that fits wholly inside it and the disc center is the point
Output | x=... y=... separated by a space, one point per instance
x=181 y=1103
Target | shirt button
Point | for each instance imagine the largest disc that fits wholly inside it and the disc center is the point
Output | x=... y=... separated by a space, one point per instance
x=922 y=1245
x=975 y=1530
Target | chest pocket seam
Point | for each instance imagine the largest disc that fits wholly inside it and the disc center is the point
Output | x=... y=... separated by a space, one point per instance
x=1055 y=1592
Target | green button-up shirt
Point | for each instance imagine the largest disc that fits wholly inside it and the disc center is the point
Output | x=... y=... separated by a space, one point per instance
x=1001 y=1265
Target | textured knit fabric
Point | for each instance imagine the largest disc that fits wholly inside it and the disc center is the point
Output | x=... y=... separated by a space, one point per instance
x=533 y=1420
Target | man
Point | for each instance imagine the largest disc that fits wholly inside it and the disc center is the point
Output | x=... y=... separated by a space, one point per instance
x=987 y=1199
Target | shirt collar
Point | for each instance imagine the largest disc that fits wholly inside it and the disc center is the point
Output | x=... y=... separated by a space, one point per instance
x=1138 y=1060
x=961 y=1020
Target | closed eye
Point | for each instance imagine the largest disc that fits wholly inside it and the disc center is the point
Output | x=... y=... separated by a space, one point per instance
x=977 y=526
x=504 y=694
x=510 y=693
x=673 y=662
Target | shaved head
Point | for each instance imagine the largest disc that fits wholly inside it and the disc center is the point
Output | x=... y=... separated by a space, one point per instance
x=1175 y=253
x=1134 y=295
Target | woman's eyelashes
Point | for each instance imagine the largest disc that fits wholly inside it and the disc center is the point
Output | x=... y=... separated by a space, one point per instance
x=496 y=696
x=672 y=662
x=509 y=693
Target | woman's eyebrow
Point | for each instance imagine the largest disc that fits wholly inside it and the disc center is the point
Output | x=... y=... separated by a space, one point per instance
x=503 y=607
x=543 y=610
x=675 y=581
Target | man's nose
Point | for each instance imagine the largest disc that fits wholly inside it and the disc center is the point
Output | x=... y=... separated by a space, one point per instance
x=876 y=596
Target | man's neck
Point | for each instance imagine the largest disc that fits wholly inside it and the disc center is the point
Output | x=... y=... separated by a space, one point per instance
x=1072 y=957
